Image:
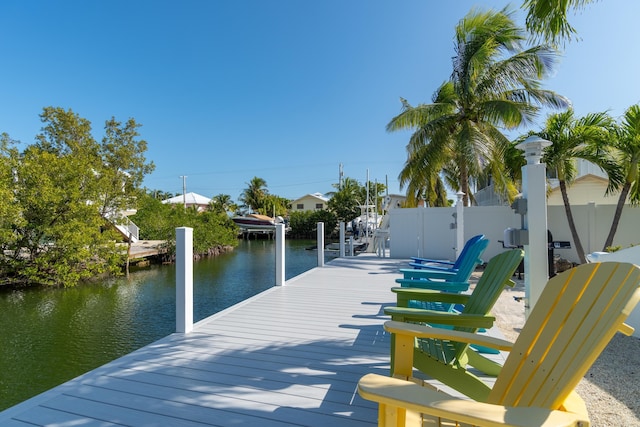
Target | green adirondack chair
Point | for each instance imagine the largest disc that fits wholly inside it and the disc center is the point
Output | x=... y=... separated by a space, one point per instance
x=443 y=360
x=576 y=316
x=454 y=280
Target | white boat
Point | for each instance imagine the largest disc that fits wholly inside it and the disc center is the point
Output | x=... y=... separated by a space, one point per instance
x=257 y=222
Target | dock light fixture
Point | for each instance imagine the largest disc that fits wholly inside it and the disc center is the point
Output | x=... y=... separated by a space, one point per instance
x=532 y=147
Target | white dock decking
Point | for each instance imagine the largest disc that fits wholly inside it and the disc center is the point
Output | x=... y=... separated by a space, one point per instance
x=291 y=355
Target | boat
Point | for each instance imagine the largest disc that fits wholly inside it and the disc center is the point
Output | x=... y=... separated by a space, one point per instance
x=257 y=222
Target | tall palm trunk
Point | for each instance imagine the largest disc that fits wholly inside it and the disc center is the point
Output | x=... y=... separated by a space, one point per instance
x=464 y=184
x=616 y=216
x=572 y=224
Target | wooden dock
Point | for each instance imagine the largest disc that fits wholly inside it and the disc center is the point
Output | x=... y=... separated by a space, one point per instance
x=146 y=248
x=291 y=355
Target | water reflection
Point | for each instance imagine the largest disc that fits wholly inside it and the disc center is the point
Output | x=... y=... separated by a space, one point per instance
x=49 y=336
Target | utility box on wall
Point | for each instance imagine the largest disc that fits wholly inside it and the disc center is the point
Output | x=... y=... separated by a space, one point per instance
x=515 y=238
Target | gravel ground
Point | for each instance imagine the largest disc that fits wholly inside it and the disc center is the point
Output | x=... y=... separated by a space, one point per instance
x=611 y=388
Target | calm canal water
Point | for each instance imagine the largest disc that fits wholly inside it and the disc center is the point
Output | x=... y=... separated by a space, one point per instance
x=49 y=336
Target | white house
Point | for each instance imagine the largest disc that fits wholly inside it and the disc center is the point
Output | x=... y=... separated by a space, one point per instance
x=189 y=200
x=585 y=189
x=310 y=202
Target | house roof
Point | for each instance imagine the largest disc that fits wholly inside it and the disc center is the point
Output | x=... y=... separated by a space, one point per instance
x=318 y=196
x=579 y=180
x=190 y=198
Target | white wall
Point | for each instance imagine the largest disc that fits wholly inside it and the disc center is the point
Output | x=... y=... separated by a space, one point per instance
x=593 y=223
x=426 y=232
x=422 y=232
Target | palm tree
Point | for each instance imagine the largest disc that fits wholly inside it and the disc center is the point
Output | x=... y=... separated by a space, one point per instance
x=222 y=203
x=583 y=138
x=423 y=182
x=346 y=202
x=253 y=196
x=627 y=146
x=495 y=84
x=273 y=205
x=548 y=19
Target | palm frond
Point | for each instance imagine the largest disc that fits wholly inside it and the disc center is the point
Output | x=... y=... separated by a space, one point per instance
x=547 y=20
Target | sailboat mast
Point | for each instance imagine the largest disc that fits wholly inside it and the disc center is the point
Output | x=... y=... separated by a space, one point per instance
x=366 y=233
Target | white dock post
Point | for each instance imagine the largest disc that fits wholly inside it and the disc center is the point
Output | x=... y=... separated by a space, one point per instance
x=534 y=181
x=350 y=245
x=321 y=244
x=184 y=280
x=459 y=224
x=342 y=237
x=280 y=271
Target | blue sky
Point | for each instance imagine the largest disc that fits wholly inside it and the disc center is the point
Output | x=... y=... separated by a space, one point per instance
x=283 y=90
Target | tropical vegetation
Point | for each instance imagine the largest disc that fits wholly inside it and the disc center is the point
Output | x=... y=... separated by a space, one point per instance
x=213 y=230
x=61 y=197
x=349 y=199
x=304 y=224
x=547 y=20
x=257 y=199
x=626 y=146
x=572 y=138
x=222 y=203
x=495 y=85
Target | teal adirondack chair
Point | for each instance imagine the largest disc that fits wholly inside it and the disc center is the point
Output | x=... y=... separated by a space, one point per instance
x=442 y=360
x=454 y=281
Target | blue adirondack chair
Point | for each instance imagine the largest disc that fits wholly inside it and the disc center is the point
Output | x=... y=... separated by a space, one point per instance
x=434 y=264
x=454 y=280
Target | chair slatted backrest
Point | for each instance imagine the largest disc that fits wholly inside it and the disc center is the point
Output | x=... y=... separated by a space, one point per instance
x=412 y=277
x=495 y=278
x=577 y=314
x=472 y=260
x=424 y=263
x=469 y=243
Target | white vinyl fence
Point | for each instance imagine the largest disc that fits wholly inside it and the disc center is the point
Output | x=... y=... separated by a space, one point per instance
x=431 y=232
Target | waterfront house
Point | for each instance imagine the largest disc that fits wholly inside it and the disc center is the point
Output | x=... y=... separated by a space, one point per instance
x=189 y=200
x=583 y=190
x=310 y=202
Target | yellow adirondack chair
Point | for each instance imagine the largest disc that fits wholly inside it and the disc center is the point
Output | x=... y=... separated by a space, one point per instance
x=575 y=317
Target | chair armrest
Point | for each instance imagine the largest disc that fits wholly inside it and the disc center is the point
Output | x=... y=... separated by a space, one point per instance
x=402 y=314
x=404 y=295
x=431 y=261
x=626 y=329
x=426 y=331
x=429 y=267
x=427 y=295
x=397 y=394
x=438 y=286
x=413 y=273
